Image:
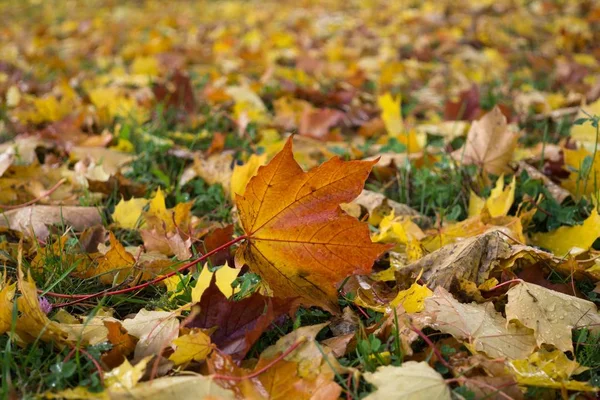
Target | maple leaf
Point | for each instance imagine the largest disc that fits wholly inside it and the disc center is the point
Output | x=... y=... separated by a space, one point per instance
x=194 y=345
x=238 y=324
x=412 y=380
x=552 y=315
x=490 y=144
x=298 y=238
x=486 y=329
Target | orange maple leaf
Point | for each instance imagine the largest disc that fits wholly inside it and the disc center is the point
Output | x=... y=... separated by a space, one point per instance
x=298 y=239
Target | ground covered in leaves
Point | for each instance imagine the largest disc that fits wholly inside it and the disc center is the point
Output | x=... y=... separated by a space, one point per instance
x=300 y=200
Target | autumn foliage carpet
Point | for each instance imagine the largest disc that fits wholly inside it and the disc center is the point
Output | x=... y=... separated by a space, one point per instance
x=300 y=200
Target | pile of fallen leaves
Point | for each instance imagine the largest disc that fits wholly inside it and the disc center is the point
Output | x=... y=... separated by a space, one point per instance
x=307 y=200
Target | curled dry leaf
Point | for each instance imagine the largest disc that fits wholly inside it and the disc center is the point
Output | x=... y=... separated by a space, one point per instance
x=472 y=259
x=411 y=381
x=552 y=315
x=485 y=328
x=490 y=144
x=299 y=240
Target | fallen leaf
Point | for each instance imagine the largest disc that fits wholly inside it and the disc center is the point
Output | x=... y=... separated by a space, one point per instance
x=238 y=324
x=485 y=329
x=299 y=240
x=32 y=322
x=175 y=387
x=550 y=369
x=116 y=265
x=570 y=239
x=498 y=204
x=552 y=315
x=36 y=219
x=242 y=173
x=194 y=345
x=7 y=293
x=490 y=144
x=128 y=213
x=472 y=259
x=154 y=329
x=126 y=376
x=411 y=381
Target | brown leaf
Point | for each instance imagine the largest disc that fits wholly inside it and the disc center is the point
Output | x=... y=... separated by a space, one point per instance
x=35 y=219
x=490 y=144
x=472 y=259
x=317 y=123
x=238 y=324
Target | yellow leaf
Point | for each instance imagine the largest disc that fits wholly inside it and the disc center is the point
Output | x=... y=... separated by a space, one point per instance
x=570 y=239
x=193 y=346
x=586 y=133
x=202 y=283
x=549 y=369
x=33 y=322
x=397 y=230
x=127 y=213
x=117 y=262
x=390 y=114
x=413 y=298
x=145 y=66
x=7 y=292
x=581 y=181
x=499 y=202
x=126 y=376
x=242 y=173
x=224 y=277
x=157 y=215
x=171 y=283
x=476 y=204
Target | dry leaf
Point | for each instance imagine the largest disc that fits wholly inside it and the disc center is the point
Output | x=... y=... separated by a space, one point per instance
x=154 y=329
x=481 y=325
x=411 y=381
x=490 y=144
x=472 y=259
x=552 y=315
x=35 y=219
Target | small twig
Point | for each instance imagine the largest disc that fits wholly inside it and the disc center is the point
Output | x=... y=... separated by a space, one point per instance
x=293 y=347
x=30 y=202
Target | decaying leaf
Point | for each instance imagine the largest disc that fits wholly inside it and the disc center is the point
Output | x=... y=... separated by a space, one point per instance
x=551 y=315
x=472 y=259
x=412 y=381
x=299 y=240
